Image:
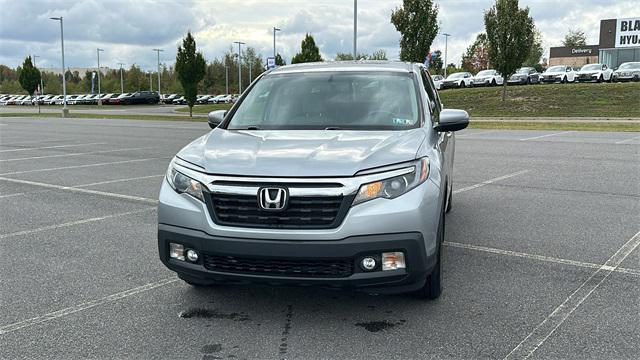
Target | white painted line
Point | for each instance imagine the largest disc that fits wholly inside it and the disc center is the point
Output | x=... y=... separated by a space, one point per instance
x=73 y=223
x=78 y=154
x=81 y=166
x=547 y=135
x=21 y=193
x=627 y=140
x=490 y=181
x=477 y=133
x=546 y=328
x=118 y=180
x=84 y=191
x=50 y=147
x=84 y=306
x=550 y=259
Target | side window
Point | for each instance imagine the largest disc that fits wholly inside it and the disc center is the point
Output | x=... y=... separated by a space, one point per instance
x=434 y=100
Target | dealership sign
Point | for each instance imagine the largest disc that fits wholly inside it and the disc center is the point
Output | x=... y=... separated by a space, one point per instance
x=628 y=32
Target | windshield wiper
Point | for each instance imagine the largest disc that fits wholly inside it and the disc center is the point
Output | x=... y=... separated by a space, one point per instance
x=333 y=128
x=252 y=127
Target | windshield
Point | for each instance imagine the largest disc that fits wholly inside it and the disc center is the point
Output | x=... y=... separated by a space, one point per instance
x=523 y=71
x=592 y=67
x=334 y=100
x=456 y=76
x=555 y=69
x=485 y=73
x=630 y=66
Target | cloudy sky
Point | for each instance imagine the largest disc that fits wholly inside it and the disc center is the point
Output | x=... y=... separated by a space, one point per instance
x=128 y=30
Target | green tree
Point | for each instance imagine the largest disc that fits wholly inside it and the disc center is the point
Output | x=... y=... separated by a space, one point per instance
x=574 y=38
x=191 y=68
x=29 y=77
x=349 y=56
x=436 y=63
x=378 y=55
x=417 y=23
x=536 y=51
x=309 y=52
x=279 y=60
x=476 y=57
x=510 y=36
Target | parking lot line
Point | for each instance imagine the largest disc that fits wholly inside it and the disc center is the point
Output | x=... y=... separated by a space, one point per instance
x=78 y=154
x=490 y=181
x=118 y=180
x=73 y=223
x=50 y=147
x=538 y=257
x=82 y=166
x=549 y=325
x=84 y=191
x=628 y=140
x=84 y=306
x=547 y=135
x=476 y=133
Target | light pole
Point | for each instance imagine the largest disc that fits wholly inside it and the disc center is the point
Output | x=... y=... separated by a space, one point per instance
x=65 y=110
x=99 y=93
x=446 y=38
x=34 y=65
x=226 y=74
x=274 y=41
x=240 y=43
x=158 y=51
x=150 y=83
x=250 y=64
x=121 y=80
x=355 y=30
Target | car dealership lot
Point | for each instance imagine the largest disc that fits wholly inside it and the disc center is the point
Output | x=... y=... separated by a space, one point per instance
x=542 y=256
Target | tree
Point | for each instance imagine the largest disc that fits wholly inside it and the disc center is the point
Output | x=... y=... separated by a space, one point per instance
x=436 y=63
x=536 y=51
x=378 y=55
x=417 y=23
x=476 y=57
x=29 y=77
x=279 y=60
x=574 y=38
x=191 y=67
x=510 y=36
x=349 y=56
x=309 y=52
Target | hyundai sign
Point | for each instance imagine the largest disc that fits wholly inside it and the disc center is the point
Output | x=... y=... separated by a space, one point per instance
x=628 y=32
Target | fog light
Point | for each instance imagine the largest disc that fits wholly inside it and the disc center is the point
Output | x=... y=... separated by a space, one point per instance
x=368 y=263
x=192 y=255
x=176 y=251
x=393 y=261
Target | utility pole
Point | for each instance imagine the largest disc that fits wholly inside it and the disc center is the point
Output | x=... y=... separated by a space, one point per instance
x=226 y=73
x=150 y=83
x=250 y=66
x=41 y=87
x=65 y=110
x=355 y=30
x=121 y=80
x=99 y=93
x=274 y=41
x=159 y=88
x=446 y=38
x=240 y=43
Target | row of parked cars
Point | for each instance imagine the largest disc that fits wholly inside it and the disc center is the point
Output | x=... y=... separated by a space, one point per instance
x=177 y=99
x=629 y=71
x=139 y=97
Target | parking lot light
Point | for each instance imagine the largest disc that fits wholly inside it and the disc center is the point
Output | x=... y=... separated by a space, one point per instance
x=65 y=110
x=158 y=51
x=446 y=38
x=240 y=43
x=274 y=41
x=98 y=50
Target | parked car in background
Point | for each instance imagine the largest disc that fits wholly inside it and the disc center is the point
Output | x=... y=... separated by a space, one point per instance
x=629 y=71
x=71 y=100
x=105 y=97
x=215 y=99
x=168 y=98
x=226 y=99
x=437 y=81
x=180 y=100
x=524 y=76
x=457 y=80
x=141 y=97
x=203 y=99
x=116 y=100
x=488 y=77
x=52 y=100
x=595 y=73
x=559 y=73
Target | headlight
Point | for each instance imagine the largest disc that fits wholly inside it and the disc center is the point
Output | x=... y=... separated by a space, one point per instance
x=181 y=183
x=395 y=186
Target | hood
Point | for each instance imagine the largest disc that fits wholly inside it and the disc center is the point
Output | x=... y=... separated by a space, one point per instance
x=554 y=73
x=295 y=153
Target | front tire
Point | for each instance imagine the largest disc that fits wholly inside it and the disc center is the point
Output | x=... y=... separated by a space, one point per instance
x=600 y=79
x=432 y=288
x=461 y=84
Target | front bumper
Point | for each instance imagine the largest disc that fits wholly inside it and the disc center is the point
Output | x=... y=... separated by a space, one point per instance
x=617 y=77
x=517 y=81
x=418 y=263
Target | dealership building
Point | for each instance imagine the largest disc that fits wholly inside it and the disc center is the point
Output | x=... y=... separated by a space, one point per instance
x=619 y=43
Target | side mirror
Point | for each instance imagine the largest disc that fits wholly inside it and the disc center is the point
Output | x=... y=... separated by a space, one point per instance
x=216 y=117
x=452 y=120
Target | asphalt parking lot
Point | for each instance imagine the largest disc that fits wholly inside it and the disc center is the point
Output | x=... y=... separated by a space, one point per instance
x=542 y=257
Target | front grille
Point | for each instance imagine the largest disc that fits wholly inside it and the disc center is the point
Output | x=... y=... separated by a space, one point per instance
x=313 y=268
x=321 y=212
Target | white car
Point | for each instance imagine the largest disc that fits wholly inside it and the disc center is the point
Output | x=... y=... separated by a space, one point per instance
x=437 y=80
x=595 y=73
x=53 y=100
x=75 y=99
x=457 y=80
x=488 y=77
x=559 y=73
x=629 y=71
